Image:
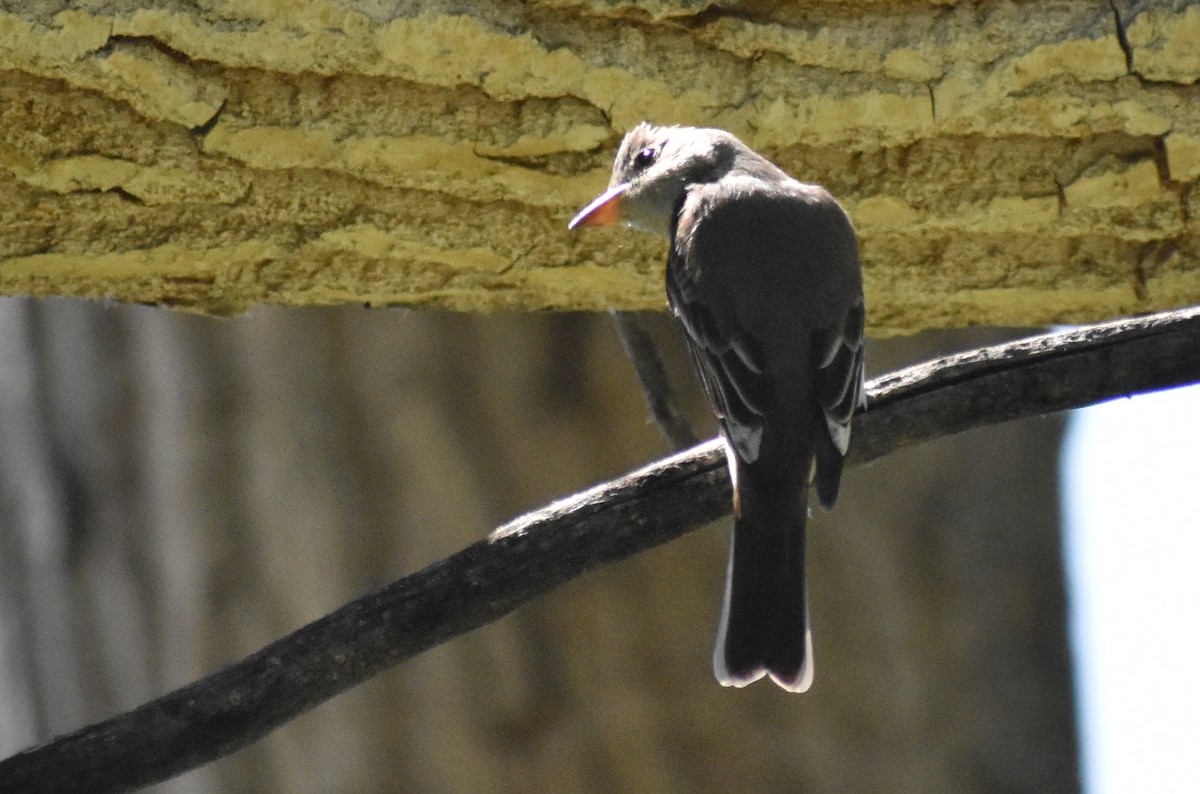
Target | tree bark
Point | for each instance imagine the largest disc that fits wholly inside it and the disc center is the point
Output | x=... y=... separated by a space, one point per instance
x=1005 y=163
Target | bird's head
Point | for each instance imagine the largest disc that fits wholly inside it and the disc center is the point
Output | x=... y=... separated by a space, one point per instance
x=652 y=172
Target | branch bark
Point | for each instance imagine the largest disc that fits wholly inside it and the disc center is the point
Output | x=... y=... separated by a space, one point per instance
x=661 y=398
x=541 y=550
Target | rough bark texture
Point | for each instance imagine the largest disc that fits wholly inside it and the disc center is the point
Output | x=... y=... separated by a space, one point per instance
x=1005 y=162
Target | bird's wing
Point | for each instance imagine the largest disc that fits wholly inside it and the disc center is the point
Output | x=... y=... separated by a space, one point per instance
x=732 y=364
x=839 y=393
x=728 y=359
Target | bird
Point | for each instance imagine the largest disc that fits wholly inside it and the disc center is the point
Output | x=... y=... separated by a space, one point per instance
x=764 y=277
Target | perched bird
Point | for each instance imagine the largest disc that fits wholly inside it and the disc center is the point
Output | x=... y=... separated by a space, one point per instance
x=764 y=277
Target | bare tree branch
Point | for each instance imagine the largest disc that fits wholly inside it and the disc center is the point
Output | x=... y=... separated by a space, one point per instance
x=541 y=550
x=653 y=378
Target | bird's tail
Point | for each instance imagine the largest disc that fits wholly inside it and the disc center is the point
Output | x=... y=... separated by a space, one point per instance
x=764 y=621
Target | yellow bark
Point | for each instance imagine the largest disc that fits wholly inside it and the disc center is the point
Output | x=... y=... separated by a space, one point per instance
x=1012 y=163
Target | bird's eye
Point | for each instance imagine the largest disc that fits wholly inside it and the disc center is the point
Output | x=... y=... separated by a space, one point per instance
x=645 y=157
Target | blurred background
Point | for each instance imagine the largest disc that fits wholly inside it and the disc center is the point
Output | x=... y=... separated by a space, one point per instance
x=1129 y=471
x=178 y=491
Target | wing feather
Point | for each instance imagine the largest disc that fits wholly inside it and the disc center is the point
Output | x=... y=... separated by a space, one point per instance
x=733 y=366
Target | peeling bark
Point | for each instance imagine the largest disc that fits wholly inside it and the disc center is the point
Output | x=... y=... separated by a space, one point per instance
x=1014 y=163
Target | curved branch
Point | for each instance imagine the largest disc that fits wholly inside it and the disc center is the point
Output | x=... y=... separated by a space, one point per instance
x=541 y=550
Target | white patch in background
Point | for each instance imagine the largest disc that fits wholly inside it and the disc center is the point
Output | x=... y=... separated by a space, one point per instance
x=1131 y=477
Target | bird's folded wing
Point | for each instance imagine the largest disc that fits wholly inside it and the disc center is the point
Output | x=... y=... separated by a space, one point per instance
x=730 y=367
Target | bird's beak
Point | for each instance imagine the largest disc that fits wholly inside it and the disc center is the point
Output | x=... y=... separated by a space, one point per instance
x=604 y=210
